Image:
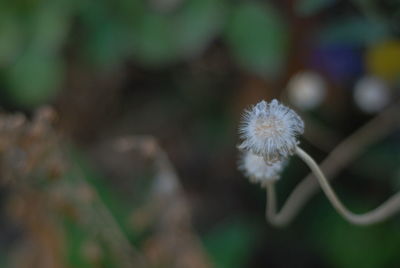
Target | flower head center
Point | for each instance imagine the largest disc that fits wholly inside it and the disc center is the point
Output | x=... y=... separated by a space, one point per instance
x=268 y=127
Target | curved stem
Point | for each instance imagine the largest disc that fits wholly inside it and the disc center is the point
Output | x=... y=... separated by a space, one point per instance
x=343 y=154
x=381 y=213
x=271 y=214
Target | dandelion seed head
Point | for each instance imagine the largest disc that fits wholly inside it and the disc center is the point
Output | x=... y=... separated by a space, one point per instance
x=255 y=168
x=270 y=130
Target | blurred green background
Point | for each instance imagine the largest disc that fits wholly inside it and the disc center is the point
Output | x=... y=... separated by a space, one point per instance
x=182 y=71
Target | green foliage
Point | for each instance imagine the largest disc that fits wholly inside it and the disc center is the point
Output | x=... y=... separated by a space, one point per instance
x=258 y=38
x=34 y=78
x=311 y=7
x=198 y=23
x=48 y=25
x=162 y=38
x=10 y=36
x=230 y=244
x=31 y=40
x=107 y=45
x=107 y=33
x=155 y=42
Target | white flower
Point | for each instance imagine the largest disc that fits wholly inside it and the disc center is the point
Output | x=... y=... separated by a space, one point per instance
x=270 y=130
x=254 y=167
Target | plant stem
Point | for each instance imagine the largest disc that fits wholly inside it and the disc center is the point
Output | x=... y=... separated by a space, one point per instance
x=340 y=157
x=381 y=213
x=270 y=212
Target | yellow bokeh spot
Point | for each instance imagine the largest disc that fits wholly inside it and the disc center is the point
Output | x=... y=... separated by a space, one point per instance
x=383 y=60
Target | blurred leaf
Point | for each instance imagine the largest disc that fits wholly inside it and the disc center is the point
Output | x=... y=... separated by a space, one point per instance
x=49 y=26
x=198 y=23
x=258 y=38
x=155 y=42
x=34 y=79
x=311 y=7
x=107 y=34
x=352 y=31
x=164 y=38
x=230 y=244
x=11 y=37
x=107 y=45
x=128 y=10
